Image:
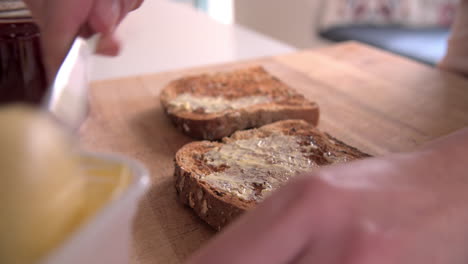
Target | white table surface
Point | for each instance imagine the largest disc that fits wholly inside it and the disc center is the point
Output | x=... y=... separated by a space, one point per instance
x=163 y=36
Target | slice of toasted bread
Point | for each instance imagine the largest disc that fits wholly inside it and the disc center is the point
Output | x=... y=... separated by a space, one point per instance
x=214 y=106
x=222 y=180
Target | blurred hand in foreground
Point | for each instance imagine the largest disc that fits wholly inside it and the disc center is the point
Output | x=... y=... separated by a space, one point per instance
x=61 y=20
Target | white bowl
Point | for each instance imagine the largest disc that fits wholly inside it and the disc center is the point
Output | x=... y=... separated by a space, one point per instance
x=105 y=237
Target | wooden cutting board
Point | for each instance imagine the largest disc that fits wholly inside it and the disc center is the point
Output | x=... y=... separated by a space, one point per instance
x=373 y=100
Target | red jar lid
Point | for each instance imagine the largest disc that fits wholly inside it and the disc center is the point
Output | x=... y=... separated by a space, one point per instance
x=13 y=9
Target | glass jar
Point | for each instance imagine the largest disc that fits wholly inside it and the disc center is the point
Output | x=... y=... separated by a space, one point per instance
x=22 y=73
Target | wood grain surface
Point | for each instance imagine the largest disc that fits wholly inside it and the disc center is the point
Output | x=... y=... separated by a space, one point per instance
x=373 y=100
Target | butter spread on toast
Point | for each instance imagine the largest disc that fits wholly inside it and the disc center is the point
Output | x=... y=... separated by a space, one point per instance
x=213 y=104
x=252 y=168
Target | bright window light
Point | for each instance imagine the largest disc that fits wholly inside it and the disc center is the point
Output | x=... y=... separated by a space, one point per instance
x=221 y=10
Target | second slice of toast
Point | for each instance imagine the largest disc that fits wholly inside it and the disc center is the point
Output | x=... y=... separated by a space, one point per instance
x=214 y=106
x=219 y=181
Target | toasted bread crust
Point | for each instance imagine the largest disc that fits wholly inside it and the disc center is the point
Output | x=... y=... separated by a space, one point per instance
x=285 y=103
x=205 y=201
x=218 y=208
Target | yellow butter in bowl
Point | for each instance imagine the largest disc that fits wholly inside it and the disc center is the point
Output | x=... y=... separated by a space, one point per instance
x=57 y=204
x=41 y=184
x=104 y=180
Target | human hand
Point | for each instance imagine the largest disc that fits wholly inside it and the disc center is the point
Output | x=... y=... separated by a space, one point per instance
x=407 y=208
x=61 y=20
x=456 y=59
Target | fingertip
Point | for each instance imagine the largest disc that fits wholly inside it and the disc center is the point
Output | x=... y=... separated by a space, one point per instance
x=108 y=45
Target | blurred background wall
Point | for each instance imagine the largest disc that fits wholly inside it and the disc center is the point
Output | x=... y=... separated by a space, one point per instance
x=417 y=29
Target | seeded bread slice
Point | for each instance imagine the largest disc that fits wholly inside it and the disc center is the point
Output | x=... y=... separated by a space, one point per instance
x=221 y=180
x=215 y=106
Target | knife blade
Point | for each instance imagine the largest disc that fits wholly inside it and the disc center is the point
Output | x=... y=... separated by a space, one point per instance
x=67 y=97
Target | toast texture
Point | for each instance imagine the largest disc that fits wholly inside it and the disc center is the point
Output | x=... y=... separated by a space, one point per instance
x=213 y=106
x=221 y=180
